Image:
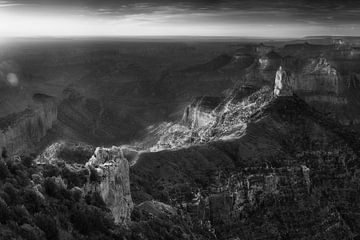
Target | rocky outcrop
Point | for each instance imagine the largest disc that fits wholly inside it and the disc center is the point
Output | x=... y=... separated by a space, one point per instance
x=20 y=132
x=282 y=83
x=110 y=170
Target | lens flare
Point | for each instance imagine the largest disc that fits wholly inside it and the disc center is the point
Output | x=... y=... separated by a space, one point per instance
x=12 y=79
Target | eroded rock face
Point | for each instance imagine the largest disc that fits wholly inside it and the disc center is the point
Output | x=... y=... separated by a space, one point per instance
x=114 y=185
x=282 y=83
x=319 y=75
x=20 y=132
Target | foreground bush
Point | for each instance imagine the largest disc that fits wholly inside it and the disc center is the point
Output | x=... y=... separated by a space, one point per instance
x=48 y=225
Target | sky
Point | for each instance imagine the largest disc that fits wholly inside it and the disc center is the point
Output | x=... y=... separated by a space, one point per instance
x=219 y=18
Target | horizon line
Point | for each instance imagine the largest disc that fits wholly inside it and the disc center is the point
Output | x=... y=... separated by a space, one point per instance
x=171 y=37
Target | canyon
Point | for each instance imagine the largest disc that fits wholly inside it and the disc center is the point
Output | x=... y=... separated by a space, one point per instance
x=243 y=141
x=110 y=93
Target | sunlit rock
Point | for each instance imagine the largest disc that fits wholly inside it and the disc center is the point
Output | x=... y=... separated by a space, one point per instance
x=282 y=83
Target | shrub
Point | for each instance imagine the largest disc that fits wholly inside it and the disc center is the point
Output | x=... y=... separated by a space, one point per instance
x=4 y=153
x=94 y=198
x=6 y=232
x=37 y=178
x=48 y=225
x=76 y=153
x=74 y=176
x=32 y=201
x=52 y=188
x=4 y=211
x=55 y=187
x=5 y=197
x=87 y=219
x=22 y=177
x=31 y=233
x=14 y=166
x=27 y=161
x=76 y=193
x=20 y=214
x=13 y=193
x=51 y=170
x=4 y=171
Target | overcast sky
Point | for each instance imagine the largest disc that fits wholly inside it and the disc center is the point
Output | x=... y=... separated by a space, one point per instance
x=240 y=18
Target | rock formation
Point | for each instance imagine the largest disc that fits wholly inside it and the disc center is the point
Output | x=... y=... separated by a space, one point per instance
x=318 y=76
x=282 y=83
x=112 y=171
x=258 y=164
x=20 y=132
x=259 y=172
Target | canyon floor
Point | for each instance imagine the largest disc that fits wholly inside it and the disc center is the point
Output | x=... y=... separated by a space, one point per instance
x=180 y=140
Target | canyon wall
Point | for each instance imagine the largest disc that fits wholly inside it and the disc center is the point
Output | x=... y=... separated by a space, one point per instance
x=318 y=76
x=270 y=178
x=20 y=132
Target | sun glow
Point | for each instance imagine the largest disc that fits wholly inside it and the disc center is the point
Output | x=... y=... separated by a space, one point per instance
x=31 y=23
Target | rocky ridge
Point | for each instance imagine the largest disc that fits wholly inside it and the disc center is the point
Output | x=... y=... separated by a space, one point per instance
x=259 y=170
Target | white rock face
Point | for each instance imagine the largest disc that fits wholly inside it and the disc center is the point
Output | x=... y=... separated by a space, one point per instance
x=282 y=83
x=114 y=187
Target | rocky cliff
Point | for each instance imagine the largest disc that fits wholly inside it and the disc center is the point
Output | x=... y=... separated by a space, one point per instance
x=110 y=170
x=318 y=76
x=20 y=132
